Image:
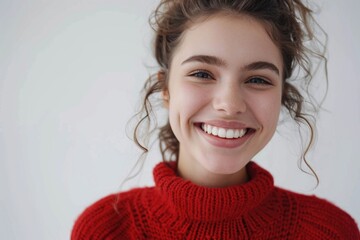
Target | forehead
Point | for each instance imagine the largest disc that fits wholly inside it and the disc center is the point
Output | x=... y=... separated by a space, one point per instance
x=241 y=39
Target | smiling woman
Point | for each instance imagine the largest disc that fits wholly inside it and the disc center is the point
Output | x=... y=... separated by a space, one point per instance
x=224 y=97
x=225 y=70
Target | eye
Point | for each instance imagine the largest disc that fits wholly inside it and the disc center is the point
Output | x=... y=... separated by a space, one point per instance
x=258 y=81
x=201 y=74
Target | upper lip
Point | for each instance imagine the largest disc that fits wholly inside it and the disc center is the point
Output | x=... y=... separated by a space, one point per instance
x=226 y=124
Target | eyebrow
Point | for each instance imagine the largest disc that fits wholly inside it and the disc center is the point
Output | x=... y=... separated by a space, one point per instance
x=212 y=60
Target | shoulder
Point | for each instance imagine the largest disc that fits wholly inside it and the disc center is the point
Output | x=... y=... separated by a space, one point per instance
x=320 y=219
x=109 y=217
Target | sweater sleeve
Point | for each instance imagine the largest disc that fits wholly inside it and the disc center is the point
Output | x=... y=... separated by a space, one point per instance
x=321 y=219
x=102 y=221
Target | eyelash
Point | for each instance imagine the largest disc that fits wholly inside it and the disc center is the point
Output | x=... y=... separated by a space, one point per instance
x=209 y=76
x=202 y=72
x=262 y=81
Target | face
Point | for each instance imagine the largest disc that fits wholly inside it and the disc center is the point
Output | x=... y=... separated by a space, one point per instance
x=224 y=97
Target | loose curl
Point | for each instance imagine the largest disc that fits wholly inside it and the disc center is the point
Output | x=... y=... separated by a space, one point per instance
x=290 y=25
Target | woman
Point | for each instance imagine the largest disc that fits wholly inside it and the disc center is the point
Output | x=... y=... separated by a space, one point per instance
x=224 y=77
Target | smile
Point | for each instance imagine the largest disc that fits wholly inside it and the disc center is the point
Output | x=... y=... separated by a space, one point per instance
x=227 y=133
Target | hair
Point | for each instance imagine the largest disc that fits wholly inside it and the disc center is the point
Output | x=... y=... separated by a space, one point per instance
x=289 y=23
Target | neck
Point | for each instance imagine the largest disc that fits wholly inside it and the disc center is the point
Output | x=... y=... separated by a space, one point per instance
x=203 y=177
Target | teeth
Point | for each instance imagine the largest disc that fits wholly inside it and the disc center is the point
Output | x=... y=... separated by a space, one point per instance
x=222 y=132
x=214 y=131
x=230 y=133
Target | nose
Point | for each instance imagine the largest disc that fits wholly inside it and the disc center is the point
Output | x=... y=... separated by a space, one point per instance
x=229 y=100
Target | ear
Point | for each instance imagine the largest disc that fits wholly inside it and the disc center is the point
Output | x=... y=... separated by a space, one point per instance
x=165 y=95
x=165 y=92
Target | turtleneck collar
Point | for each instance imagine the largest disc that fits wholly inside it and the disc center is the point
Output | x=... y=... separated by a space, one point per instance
x=185 y=200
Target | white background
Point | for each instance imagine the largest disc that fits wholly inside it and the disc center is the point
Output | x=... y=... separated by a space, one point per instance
x=70 y=77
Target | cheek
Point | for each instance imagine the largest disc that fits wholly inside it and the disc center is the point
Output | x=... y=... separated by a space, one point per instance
x=187 y=99
x=185 y=102
x=267 y=109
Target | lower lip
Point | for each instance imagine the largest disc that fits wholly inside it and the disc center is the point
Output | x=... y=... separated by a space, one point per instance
x=225 y=142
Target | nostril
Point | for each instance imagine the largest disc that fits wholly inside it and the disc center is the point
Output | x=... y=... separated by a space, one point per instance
x=229 y=104
x=231 y=110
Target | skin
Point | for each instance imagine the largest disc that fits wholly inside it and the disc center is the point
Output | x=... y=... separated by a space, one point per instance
x=237 y=84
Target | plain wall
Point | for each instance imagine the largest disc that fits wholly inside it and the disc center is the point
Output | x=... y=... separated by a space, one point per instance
x=70 y=77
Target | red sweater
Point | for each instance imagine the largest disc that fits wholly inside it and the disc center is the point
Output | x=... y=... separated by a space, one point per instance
x=178 y=209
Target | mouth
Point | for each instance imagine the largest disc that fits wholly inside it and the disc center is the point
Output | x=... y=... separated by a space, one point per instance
x=225 y=133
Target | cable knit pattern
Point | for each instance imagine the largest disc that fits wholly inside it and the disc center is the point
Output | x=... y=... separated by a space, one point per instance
x=178 y=209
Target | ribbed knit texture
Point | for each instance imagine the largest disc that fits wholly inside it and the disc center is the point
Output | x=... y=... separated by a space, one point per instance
x=178 y=209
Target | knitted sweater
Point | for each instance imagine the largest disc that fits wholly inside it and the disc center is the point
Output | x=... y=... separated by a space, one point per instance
x=178 y=209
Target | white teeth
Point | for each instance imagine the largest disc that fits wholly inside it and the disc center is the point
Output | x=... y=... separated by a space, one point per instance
x=207 y=128
x=222 y=132
x=230 y=133
x=214 y=130
x=237 y=133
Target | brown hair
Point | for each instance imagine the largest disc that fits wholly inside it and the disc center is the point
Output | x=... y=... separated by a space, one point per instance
x=288 y=22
